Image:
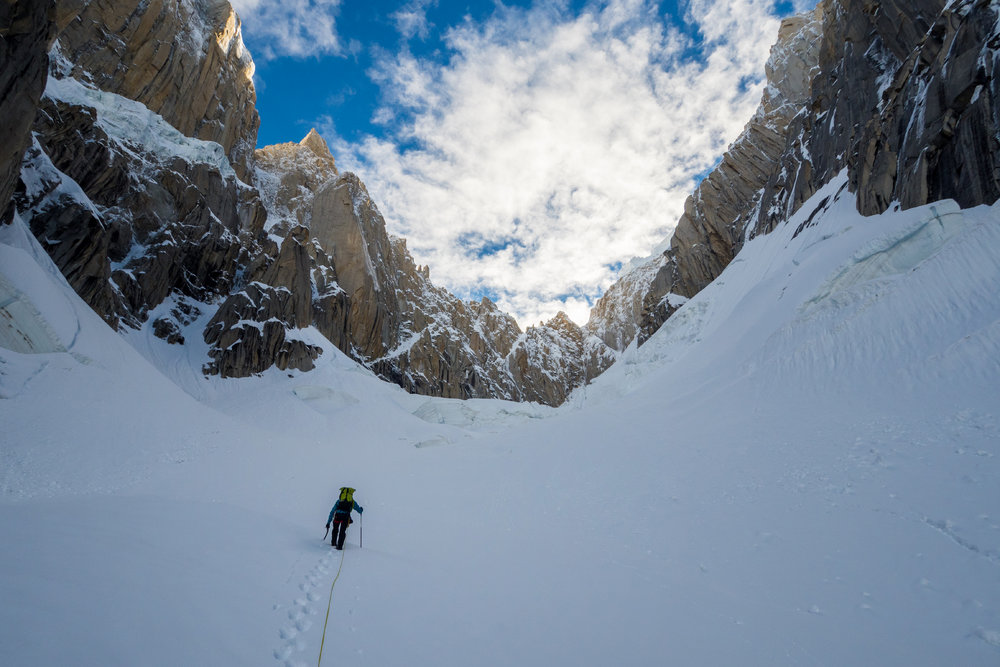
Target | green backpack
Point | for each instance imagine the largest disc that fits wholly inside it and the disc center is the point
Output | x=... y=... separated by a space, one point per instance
x=346 y=501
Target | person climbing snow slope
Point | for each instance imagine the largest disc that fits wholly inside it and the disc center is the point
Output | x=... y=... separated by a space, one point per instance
x=340 y=516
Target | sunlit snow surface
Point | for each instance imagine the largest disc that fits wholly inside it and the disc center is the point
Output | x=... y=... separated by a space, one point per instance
x=800 y=468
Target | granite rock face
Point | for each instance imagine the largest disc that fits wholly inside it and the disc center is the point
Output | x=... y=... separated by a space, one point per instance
x=557 y=349
x=141 y=182
x=182 y=59
x=901 y=94
x=128 y=222
x=616 y=317
x=711 y=230
x=346 y=223
x=937 y=124
x=372 y=301
x=27 y=28
x=905 y=99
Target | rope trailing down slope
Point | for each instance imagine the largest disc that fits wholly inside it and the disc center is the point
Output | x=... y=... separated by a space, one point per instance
x=328 y=603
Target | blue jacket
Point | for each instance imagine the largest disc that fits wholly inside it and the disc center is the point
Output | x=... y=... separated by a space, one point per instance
x=357 y=508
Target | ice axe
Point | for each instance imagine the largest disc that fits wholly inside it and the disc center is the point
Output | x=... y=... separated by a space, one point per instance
x=327 y=531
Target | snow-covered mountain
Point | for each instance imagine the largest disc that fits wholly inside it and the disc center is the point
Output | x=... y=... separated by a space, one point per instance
x=149 y=200
x=799 y=465
x=371 y=300
x=900 y=94
x=139 y=182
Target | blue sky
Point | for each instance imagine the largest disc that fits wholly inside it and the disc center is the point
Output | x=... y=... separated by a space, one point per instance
x=295 y=90
x=527 y=150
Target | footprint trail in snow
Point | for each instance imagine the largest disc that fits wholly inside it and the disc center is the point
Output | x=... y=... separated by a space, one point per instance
x=301 y=610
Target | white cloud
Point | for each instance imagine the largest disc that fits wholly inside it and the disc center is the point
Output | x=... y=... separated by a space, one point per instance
x=411 y=19
x=297 y=28
x=551 y=148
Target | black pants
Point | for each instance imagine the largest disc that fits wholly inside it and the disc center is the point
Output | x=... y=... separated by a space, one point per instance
x=339 y=532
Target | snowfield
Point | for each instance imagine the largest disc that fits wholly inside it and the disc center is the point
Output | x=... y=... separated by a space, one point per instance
x=802 y=467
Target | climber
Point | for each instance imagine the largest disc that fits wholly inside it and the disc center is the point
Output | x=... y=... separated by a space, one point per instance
x=340 y=516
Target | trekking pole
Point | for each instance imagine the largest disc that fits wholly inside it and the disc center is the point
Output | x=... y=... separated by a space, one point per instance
x=361 y=528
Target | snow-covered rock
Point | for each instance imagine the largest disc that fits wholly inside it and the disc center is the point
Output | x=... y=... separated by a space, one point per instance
x=710 y=232
x=373 y=302
x=900 y=94
x=182 y=59
x=130 y=208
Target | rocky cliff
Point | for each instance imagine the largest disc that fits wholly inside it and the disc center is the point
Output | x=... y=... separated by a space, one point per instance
x=900 y=94
x=130 y=209
x=181 y=59
x=923 y=123
x=373 y=302
x=26 y=28
x=140 y=179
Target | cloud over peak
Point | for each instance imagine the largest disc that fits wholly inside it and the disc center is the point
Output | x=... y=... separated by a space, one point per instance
x=528 y=153
x=566 y=142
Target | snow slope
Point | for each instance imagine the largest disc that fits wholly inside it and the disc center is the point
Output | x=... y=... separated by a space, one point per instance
x=800 y=467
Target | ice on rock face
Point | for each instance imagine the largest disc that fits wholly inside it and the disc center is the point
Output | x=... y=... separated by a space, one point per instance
x=130 y=123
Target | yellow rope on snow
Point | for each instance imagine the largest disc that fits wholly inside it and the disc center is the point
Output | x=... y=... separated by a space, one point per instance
x=329 y=602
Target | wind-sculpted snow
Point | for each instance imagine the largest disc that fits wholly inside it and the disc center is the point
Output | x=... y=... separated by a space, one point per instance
x=476 y=414
x=324 y=399
x=833 y=319
x=898 y=252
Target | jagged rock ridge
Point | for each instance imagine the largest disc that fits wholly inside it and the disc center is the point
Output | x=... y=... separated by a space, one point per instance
x=901 y=94
x=270 y=248
x=182 y=59
x=376 y=304
x=139 y=183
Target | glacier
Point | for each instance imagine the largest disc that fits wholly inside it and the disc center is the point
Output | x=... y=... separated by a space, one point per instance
x=800 y=467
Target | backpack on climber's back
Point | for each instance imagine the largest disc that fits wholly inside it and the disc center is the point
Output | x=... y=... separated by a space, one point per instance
x=345 y=503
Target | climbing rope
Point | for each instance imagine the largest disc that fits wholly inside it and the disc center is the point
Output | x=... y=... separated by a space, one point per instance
x=329 y=602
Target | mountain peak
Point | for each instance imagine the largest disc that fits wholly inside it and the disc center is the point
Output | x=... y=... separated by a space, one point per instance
x=317 y=145
x=562 y=321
